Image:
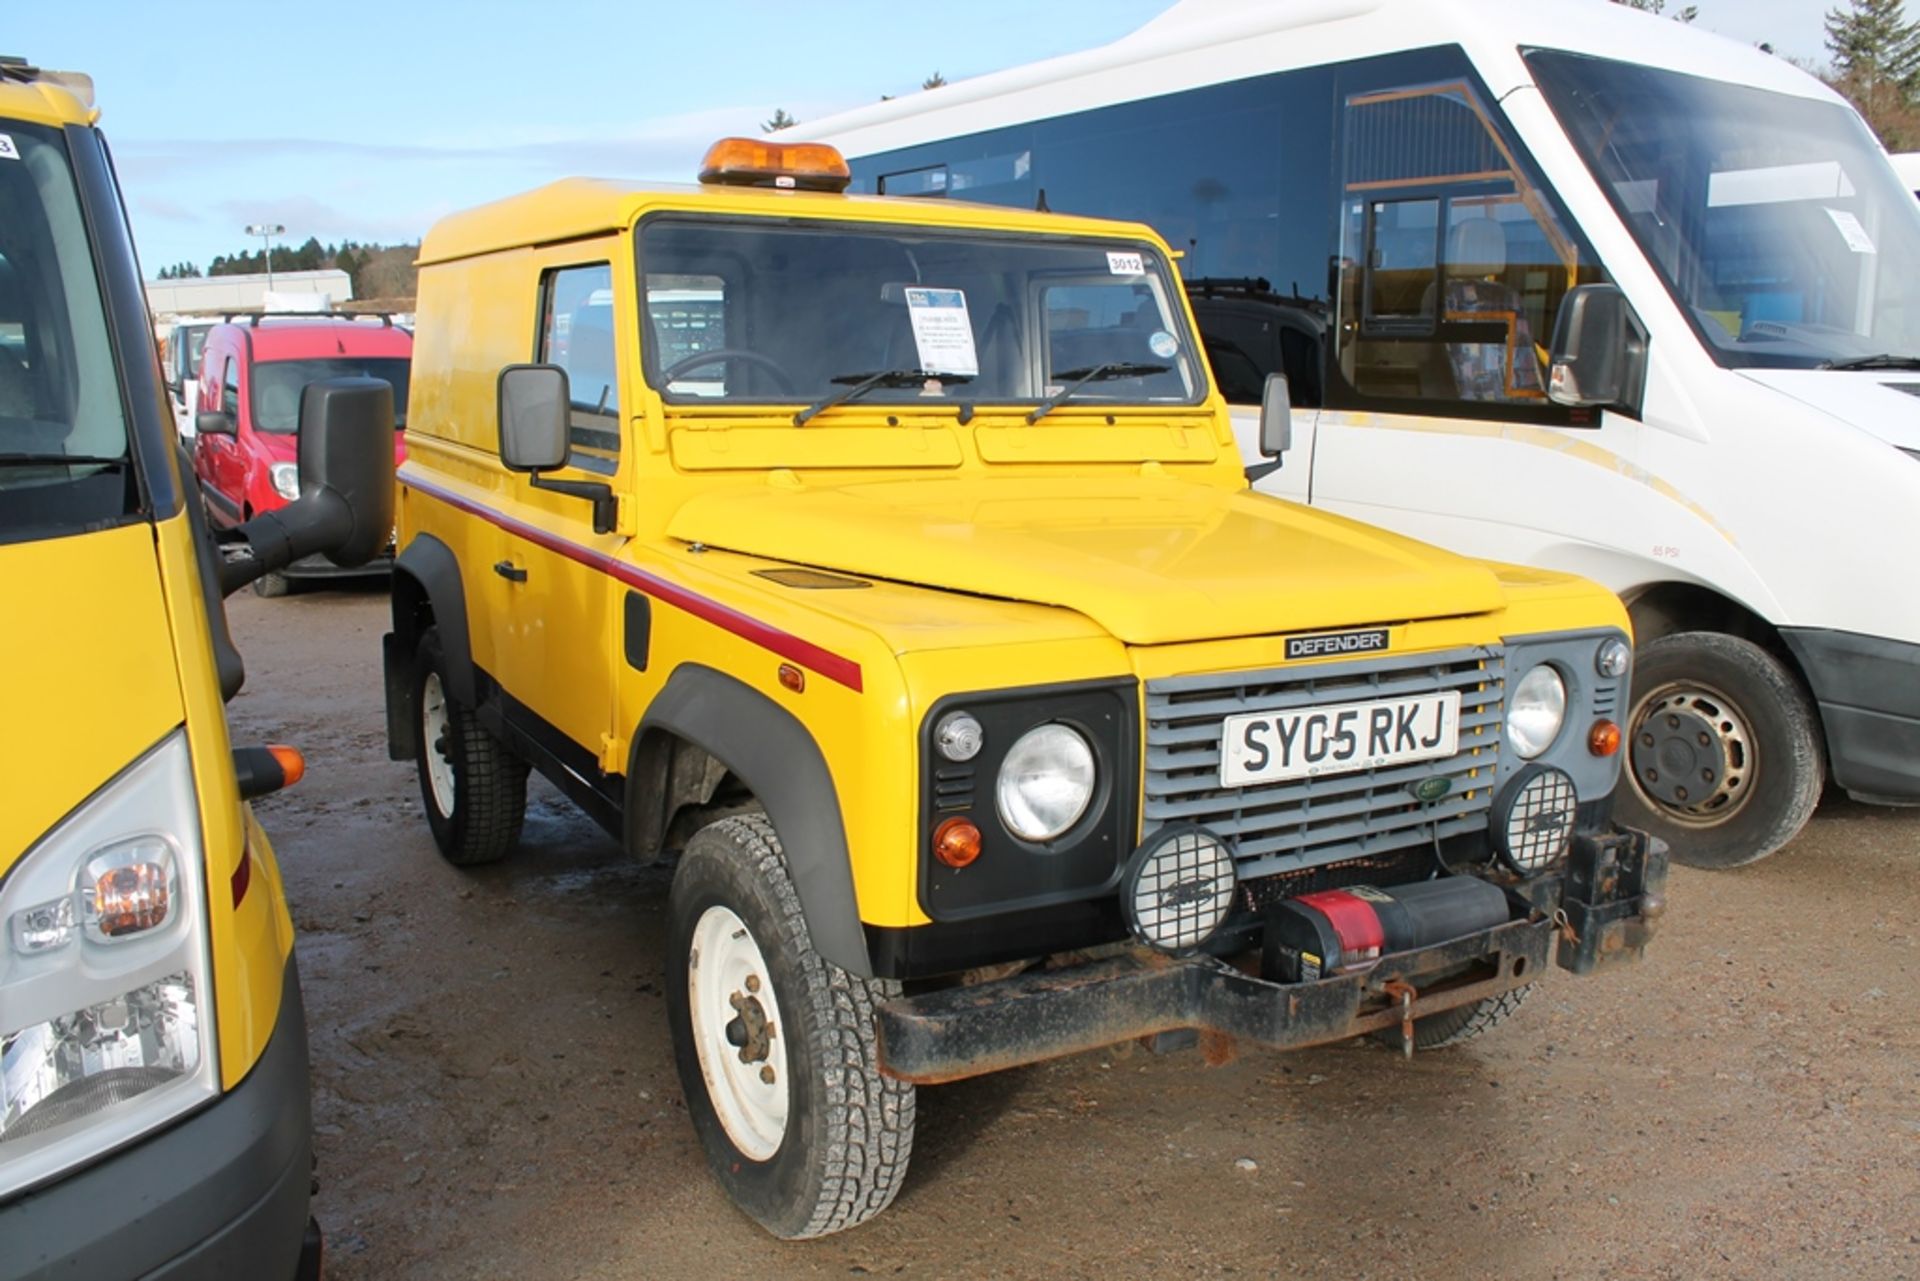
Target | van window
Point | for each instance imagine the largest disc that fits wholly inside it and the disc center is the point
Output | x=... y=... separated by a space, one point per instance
x=278 y=386
x=576 y=333
x=1452 y=258
x=230 y=390
x=59 y=390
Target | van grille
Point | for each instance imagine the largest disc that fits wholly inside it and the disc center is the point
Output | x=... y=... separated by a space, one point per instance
x=1299 y=823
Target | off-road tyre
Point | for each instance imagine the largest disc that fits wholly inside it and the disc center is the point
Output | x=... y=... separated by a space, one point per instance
x=1463 y=1023
x=480 y=822
x=1787 y=765
x=273 y=584
x=848 y=1130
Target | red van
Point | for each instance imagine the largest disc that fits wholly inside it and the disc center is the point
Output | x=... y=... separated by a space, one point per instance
x=252 y=371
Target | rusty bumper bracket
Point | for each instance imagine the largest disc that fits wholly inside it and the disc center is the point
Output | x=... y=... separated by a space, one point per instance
x=962 y=1032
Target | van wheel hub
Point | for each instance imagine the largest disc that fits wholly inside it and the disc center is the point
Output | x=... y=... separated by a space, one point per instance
x=1692 y=753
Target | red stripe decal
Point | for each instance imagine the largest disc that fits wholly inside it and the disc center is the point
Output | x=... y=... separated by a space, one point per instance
x=242 y=876
x=843 y=671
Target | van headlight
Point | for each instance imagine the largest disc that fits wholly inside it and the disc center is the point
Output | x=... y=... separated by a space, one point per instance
x=286 y=480
x=1536 y=710
x=1046 y=782
x=106 y=1016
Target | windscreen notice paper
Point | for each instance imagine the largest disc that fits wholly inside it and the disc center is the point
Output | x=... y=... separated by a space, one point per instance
x=1850 y=230
x=942 y=331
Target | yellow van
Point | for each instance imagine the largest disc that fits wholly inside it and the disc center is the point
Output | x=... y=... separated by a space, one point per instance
x=153 y=1060
x=890 y=562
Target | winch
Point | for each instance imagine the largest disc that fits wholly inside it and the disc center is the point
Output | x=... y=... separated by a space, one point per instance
x=1315 y=935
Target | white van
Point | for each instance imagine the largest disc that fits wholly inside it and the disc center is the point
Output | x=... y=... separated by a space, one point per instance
x=1506 y=253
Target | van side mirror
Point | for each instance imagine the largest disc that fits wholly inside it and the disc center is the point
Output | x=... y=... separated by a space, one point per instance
x=213 y=422
x=1599 y=356
x=536 y=412
x=1276 y=425
x=345 y=508
x=534 y=408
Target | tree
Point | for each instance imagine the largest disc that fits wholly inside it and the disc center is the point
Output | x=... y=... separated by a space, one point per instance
x=1686 y=13
x=1876 y=63
x=781 y=120
x=933 y=81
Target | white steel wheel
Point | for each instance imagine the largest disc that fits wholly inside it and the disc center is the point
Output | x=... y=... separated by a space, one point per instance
x=737 y=1026
x=434 y=739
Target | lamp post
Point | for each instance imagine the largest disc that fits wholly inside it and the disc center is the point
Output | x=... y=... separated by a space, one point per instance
x=267 y=231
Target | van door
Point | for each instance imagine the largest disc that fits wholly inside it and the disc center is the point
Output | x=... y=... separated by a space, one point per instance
x=553 y=604
x=1451 y=259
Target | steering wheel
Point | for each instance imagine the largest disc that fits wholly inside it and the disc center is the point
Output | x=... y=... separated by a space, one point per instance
x=781 y=377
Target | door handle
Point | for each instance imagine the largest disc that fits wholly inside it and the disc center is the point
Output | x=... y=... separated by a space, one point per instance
x=510 y=571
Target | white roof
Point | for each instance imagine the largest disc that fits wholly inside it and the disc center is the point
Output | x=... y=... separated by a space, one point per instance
x=1203 y=42
x=1907 y=165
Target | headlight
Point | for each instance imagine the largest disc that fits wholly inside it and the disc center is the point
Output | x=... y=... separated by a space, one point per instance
x=108 y=1018
x=286 y=480
x=1046 y=782
x=1612 y=658
x=1536 y=711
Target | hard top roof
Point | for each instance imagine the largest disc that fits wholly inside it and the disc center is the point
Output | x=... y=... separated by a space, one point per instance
x=1204 y=42
x=575 y=208
x=317 y=337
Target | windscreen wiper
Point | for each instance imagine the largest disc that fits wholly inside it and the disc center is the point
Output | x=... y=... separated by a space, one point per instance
x=864 y=383
x=1094 y=373
x=59 y=460
x=1883 y=361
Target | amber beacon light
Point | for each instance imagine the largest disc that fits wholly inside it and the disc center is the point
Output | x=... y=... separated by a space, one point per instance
x=793 y=166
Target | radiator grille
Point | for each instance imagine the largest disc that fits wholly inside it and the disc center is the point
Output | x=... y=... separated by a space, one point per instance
x=1300 y=823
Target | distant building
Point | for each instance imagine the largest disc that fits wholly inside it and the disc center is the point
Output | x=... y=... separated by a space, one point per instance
x=216 y=295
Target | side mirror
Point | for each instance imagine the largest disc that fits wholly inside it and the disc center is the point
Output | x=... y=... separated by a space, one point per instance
x=536 y=412
x=1276 y=426
x=534 y=408
x=345 y=508
x=213 y=422
x=1599 y=356
x=1276 y=416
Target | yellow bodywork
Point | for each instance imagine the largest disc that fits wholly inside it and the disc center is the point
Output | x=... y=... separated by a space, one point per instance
x=117 y=656
x=1111 y=542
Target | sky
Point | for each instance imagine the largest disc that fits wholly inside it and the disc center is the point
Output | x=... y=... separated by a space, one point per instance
x=369 y=121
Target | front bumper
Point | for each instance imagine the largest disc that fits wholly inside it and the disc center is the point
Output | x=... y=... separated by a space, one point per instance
x=221 y=1194
x=1601 y=908
x=1868 y=690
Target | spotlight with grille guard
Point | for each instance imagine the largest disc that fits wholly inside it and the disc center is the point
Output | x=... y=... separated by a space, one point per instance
x=1532 y=820
x=1178 y=888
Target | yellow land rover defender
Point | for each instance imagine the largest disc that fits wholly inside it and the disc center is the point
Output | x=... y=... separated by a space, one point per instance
x=890 y=563
x=153 y=1052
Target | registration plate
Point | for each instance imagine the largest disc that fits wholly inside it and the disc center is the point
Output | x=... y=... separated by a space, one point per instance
x=1310 y=742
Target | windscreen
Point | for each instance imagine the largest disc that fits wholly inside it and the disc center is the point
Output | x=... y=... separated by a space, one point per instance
x=743 y=311
x=277 y=385
x=1775 y=220
x=63 y=435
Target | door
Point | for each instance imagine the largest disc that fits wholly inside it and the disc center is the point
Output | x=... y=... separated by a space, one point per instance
x=222 y=464
x=1450 y=262
x=553 y=604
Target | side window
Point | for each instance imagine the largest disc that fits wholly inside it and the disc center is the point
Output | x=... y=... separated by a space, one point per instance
x=230 y=389
x=576 y=333
x=1451 y=259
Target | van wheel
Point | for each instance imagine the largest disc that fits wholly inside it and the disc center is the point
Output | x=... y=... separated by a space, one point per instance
x=272 y=584
x=776 y=1046
x=474 y=788
x=1725 y=760
x=1463 y=1023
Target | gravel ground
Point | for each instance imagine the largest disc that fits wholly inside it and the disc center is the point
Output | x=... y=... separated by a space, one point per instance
x=495 y=1097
